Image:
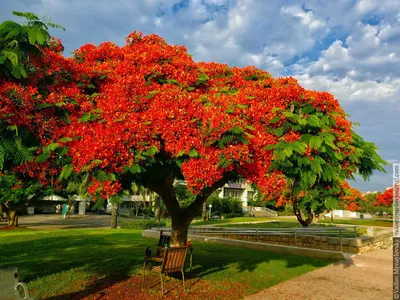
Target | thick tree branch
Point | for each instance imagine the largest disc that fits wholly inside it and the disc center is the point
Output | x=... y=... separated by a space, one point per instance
x=195 y=207
x=165 y=189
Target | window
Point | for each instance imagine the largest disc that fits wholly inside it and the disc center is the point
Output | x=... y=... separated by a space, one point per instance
x=234 y=193
x=250 y=195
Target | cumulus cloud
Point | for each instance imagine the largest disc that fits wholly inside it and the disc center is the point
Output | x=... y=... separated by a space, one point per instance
x=347 y=89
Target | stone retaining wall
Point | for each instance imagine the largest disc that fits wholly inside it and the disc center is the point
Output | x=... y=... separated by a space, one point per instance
x=307 y=252
x=349 y=245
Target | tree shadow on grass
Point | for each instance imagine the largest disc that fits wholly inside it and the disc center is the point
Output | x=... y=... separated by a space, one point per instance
x=100 y=259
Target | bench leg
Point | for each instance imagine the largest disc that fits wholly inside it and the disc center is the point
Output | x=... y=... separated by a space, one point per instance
x=183 y=280
x=144 y=274
x=162 y=284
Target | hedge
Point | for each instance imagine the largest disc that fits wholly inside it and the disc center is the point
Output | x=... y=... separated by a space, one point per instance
x=233 y=215
x=141 y=224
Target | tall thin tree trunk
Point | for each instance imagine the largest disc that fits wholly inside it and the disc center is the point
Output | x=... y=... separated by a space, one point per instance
x=114 y=215
x=332 y=216
x=315 y=217
x=204 y=213
x=157 y=212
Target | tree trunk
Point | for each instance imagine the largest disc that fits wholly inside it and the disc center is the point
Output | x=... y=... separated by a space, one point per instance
x=12 y=217
x=204 y=214
x=114 y=216
x=179 y=233
x=181 y=218
x=297 y=213
x=157 y=212
x=315 y=217
x=332 y=216
x=12 y=214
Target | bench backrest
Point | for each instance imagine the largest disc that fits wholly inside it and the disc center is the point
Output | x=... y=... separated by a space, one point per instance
x=174 y=259
x=164 y=239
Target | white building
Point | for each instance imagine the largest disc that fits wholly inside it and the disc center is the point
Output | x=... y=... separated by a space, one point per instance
x=240 y=189
x=130 y=204
x=339 y=213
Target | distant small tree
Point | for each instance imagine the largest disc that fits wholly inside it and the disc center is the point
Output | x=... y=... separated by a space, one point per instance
x=15 y=195
x=367 y=205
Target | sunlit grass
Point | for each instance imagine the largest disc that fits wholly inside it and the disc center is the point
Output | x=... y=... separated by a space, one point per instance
x=69 y=262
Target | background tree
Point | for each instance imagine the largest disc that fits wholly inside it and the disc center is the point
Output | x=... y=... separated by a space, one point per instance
x=15 y=195
x=369 y=200
x=19 y=46
x=316 y=157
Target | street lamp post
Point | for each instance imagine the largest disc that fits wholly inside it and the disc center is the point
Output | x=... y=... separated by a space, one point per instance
x=209 y=213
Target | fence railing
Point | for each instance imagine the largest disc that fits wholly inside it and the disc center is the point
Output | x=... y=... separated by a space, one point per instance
x=336 y=232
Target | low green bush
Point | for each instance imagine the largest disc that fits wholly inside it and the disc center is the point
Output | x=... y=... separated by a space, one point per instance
x=141 y=224
x=233 y=215
x=287 y=212
x=225 y=206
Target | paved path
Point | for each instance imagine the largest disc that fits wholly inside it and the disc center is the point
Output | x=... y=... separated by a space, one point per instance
x=52 y=221
x=364 y=277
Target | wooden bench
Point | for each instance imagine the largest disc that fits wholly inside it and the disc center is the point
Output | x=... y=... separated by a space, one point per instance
x=10 y=287
x=165 y=239
x=172 y=261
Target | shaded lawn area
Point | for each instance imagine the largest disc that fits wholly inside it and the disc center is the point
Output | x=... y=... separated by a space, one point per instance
x=106 y=264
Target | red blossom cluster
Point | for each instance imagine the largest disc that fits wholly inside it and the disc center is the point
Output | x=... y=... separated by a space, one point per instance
x=385 y=199
x=351 y=200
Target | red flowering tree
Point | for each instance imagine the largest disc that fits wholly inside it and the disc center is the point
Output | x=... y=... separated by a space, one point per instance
x=146 y=112
x=385 y=199
x=352 y=200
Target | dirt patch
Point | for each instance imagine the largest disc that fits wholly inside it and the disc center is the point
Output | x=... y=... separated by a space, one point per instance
x=8 y=228
x=131 y=288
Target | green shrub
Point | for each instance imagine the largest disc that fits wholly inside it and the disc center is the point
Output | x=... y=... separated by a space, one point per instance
x=141 y=224
x=287 y=212
x=225 y=206
x=233 y=215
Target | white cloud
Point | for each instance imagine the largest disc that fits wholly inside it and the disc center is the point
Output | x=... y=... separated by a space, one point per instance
x=216 y=2
x=307 y=18
x=393 y=161
x=347 y=89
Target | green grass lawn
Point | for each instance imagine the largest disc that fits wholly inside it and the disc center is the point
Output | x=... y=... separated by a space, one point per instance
x=378 y=222
x=74 y=264
x=271 y=224
x=232 y=220
x=285 y=224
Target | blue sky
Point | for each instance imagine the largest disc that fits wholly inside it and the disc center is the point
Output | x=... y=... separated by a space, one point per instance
x=350 y=48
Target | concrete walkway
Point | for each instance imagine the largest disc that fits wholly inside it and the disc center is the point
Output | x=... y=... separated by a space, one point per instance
x=363 y=277
x=52 y=221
